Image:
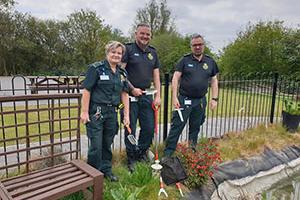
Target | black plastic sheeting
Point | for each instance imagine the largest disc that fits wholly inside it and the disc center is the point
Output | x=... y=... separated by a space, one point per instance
x=238 y=169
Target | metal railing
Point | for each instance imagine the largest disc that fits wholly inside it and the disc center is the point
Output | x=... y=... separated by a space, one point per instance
x=245 y=101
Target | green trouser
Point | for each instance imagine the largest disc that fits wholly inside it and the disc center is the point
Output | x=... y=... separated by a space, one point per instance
x=101 y=131
x=194 y=110
x=142 y=111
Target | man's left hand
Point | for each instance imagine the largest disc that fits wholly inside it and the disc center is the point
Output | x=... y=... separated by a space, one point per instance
x=157 y=101
x=213 y=104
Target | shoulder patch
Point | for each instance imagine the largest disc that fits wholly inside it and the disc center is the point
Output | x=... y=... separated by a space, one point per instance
x=97 y=64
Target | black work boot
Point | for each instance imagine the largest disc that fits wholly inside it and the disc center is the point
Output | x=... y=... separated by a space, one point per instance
x=131 y=161
x=143 y=156
x=111 y=177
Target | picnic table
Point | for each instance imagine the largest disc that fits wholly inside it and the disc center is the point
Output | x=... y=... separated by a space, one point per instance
x=58 y=83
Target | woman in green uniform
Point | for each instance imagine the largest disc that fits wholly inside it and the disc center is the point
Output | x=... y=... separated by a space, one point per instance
x=105 y=86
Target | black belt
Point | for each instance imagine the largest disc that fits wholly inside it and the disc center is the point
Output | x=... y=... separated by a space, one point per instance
x=192 y=97
x=107 y=105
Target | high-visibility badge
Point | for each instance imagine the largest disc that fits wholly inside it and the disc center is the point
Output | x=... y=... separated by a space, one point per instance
x=150 y=56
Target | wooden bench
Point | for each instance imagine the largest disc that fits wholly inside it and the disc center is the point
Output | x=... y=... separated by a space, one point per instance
x=39 y=130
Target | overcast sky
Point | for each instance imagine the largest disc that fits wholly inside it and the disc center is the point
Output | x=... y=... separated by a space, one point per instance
x=217 y=20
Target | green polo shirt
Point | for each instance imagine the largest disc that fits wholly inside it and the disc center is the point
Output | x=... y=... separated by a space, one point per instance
x=104 y=85
x=140 y=64
x=195 y=75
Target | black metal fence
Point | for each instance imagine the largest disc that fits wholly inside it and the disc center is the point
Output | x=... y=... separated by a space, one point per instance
x=245 y=101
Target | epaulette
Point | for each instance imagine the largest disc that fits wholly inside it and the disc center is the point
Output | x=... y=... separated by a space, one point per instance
x=151 y=47
x=129 y=43
x=97 y=64
x=123 y=72
x=207 y=55
x=186 y=55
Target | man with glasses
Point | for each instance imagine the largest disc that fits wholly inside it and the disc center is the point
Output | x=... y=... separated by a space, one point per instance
x=193 y=71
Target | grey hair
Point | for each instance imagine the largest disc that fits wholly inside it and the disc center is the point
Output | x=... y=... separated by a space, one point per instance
x=195 y=36
x=112 y=45
x=142 y=25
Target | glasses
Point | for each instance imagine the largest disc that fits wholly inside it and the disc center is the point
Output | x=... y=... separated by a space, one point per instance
x=196 y=45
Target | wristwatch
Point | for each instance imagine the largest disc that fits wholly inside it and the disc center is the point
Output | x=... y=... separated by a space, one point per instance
x=215 y=99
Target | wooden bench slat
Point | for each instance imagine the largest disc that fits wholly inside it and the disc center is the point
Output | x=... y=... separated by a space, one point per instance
x=87 y=168
x=98 y=176
x=4 y=194
x=40 y=178
x=46 y=183
x=59 y=190
x=34 y=174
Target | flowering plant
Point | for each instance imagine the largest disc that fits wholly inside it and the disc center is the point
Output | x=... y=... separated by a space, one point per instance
x=199 y=162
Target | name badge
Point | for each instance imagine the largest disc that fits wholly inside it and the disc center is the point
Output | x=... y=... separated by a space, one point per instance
x=187 y=102
x=133 y=99
x=104 y=77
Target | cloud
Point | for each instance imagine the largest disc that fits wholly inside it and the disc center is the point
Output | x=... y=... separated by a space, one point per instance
x=217 y=20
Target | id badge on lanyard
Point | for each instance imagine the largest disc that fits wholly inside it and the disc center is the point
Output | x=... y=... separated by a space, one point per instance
x=187 y=102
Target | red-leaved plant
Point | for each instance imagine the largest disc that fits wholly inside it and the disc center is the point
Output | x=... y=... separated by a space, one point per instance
x=199 y=162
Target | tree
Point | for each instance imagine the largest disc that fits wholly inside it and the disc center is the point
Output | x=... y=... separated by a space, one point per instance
x=85 y=36
x=257 y=49
x=6 y=4
x=6 y=33
x=158 y=16
x=291 y=52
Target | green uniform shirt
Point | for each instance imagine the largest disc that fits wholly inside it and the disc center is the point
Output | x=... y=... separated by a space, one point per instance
x=104 y=85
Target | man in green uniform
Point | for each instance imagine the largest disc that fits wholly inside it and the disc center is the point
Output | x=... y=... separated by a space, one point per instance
x=194 y=72
x=104 y=85
x=142 y=64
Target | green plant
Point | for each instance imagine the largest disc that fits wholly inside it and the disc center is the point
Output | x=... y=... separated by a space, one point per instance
x=292 y=107
x=125 y=193
x=142 y=175
x=199 y=162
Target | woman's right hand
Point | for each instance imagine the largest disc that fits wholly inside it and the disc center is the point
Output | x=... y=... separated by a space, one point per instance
x=84 y=117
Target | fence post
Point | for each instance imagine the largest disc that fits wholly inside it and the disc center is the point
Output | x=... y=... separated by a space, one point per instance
x=275 y=83
x=166 y=105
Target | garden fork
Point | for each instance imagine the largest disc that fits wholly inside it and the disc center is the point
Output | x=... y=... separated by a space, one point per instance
x=162 y=190
x=131 y=137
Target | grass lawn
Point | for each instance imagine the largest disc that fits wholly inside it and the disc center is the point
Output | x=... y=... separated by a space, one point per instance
x=253 y=141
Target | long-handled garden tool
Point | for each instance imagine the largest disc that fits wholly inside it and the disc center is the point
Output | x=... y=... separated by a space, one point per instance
x=179 y=188
x=179 y=113
x=149 y=92
x=162 y=190
x=131 y=137
x=156 y=166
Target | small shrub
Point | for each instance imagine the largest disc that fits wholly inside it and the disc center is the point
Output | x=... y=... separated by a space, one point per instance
x=142 y=175
x=292 y=107
x=200 y=162
x=125 y=193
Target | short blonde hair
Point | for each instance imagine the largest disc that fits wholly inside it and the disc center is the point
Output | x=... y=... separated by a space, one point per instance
x=112 y=45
